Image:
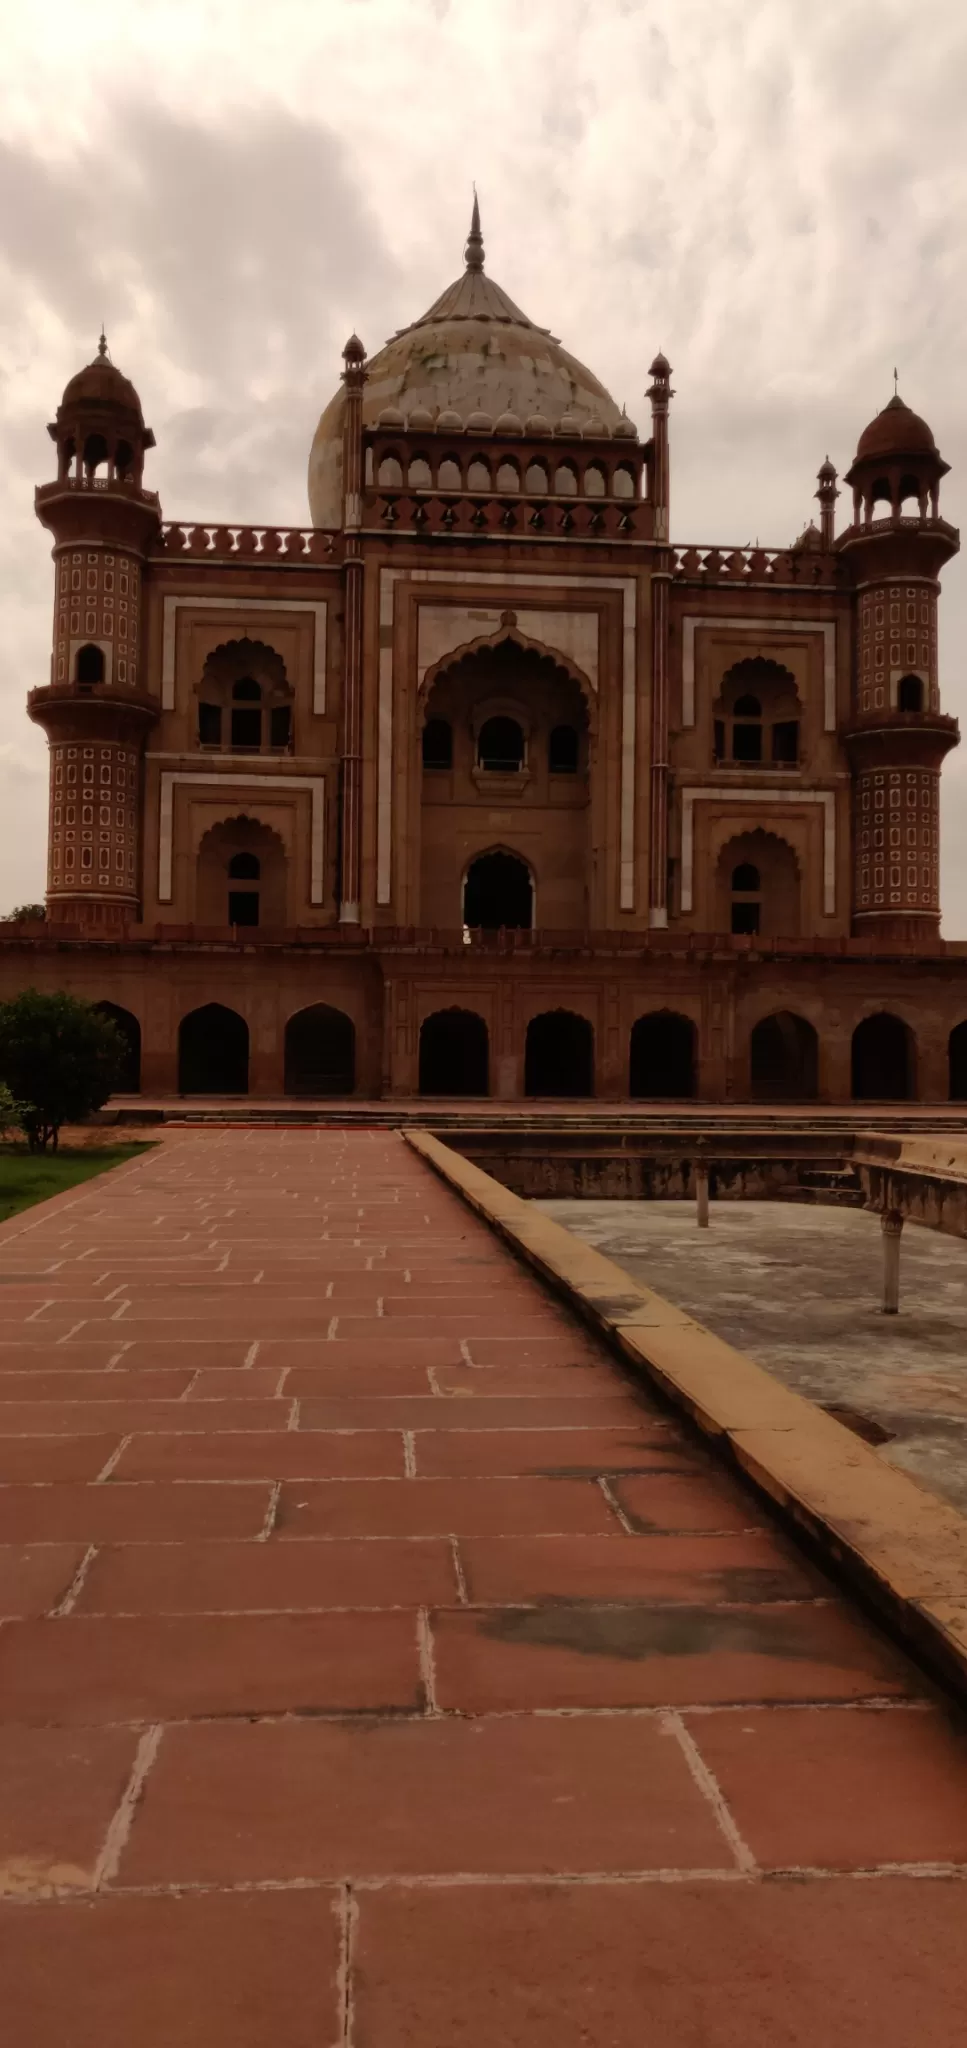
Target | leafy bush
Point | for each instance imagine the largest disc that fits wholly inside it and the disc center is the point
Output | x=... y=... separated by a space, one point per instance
x=26 y=913
x=59 y=1058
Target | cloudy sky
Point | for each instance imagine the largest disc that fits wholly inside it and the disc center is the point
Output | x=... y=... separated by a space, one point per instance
x=773 y=194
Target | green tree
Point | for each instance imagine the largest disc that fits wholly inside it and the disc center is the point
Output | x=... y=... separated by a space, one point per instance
x=26 y=913
x=59 y=1058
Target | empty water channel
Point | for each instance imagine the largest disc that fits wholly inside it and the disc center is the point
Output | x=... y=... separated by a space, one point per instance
x=798 y=1287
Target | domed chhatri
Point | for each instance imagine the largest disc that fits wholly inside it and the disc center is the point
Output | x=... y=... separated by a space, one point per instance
x=896 y=431
x=100 y=382
x=474 y=352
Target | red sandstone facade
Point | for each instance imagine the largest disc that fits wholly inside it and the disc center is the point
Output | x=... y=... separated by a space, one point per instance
x=481 y=784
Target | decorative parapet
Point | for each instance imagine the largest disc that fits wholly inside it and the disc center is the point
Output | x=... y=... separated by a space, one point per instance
x=531 y=517
x=804 y=566
x=269 y=543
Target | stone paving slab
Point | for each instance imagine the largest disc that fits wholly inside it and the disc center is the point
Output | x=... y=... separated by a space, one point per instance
x=432 y=1684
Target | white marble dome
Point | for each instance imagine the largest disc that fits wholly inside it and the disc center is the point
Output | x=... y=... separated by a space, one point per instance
x=473 y=352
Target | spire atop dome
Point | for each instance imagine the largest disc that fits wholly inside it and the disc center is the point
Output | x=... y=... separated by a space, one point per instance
x=102 y=344
x=474 y=251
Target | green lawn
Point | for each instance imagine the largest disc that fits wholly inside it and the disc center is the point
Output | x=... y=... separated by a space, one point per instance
x=26 y=1178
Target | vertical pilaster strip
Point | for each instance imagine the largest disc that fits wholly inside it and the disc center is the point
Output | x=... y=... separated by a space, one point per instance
x=354 y=378
x=658 y=846
x=660 y=394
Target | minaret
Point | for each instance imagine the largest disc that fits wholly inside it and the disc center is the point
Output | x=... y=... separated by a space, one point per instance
x=96 y=710
x=659 y=392
x=350 y=864
x=827 y=495
x=897 y=736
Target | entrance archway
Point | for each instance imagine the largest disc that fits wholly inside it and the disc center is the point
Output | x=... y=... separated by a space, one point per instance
x=320 y=1052
x=129 y=1030
x=883 y=1060
x=662 y=1057
x=454 y=1053
x=559 y=1055
x=213 y=1052
x=957 y=1062
x=784 y=1059
x=498 y=894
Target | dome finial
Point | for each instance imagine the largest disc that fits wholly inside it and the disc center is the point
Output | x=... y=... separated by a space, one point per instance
x=474 y=252
x=102 y=344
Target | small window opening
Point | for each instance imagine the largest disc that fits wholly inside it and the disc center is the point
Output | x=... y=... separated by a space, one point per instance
x=746 y=736
x=244 y=867
x=785 y=742
x=280 y=725
x=243 y=906
x=90 y=665
x=910 y=693
x=500 y=747
x=209 y=725
x=437 y=744
x=562 y=751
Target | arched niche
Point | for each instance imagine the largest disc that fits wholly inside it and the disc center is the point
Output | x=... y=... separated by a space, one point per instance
x=756 y=717
x=883 y=1059
x=498 y=893
x=129 y=1031
x=784 y=1059
x=454 y=1054
x=662 y=1063
x=241 y=876
x=559 y=1055
x=213 y=1052
x=320 y=1052
x=758 y=887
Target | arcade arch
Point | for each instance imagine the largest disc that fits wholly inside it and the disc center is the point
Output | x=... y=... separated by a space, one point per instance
x=129 y=1030
x=320 y=1052
x=784 y=1059
x=662 y=1057
x=757 y=887
x=454 y=1054
x=241 y=875
x=213 y=1052
x=883 y=1059
x=559 y=1055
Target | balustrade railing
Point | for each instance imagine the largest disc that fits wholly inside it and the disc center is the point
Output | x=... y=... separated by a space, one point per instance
x=578 y=518
x=754 y=565
x=271 y=543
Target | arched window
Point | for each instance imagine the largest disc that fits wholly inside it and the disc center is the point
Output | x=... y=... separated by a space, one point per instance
x=747 y=729
x=500 y=747
x=246 y=714
x=454 y=1054
x=209 y=725
x=563 y=750
x=243 y=904
x=449 y=477
x=95 y=453
x=478 y=475
x=623 y=483
x=536 y=479
x=565 y=481
x=746 y=898
x=910 y=693
x=418 y=475
x=498 y=894
x=124 y=461
x=438 y=743
x=508 y=477
x=90 y=665
x=390 y=475
x=594 y=481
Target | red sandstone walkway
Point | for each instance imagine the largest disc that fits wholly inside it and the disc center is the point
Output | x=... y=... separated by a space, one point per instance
x=382 y=1670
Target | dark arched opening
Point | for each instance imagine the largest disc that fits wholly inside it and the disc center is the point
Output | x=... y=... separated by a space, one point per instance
x=129 y=1031
x=910 y=693
x=500 y=747
x=320 y=1052
x=438 y=743
x=454 y=1054
x=663 y=1056
x=957 y=1062
x=213 y=1052
x=784 y=1059
x=90 y=664
x=246 y=714
x=559 y=1055
x=563 y=750
x=883 y=1059
x=498 y=894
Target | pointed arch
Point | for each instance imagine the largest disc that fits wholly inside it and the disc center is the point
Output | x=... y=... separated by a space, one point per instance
x=508 y=634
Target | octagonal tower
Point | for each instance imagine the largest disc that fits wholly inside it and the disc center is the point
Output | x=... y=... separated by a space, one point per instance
x=96 y=709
